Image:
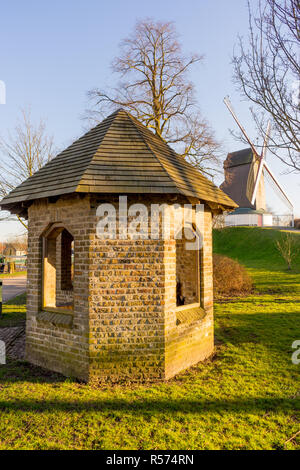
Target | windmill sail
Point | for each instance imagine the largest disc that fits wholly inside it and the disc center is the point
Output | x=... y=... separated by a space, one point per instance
x=245 y=173
x=230 y=109
x=252 y=178
x=277 y=187
x=259 y=174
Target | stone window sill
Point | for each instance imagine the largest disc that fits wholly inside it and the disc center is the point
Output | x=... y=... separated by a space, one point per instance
x=66 y=310
x=64 y=320
x=187 y=314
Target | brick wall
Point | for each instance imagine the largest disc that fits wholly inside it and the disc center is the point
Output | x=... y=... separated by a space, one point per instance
x=190 y=342
x=124 y=324
x=51 y=346
x=127 y=283
x=127 y=309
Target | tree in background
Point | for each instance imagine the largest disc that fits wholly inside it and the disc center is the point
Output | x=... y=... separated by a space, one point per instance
x=19 y=243
x=267 y=72
x=156 y=89
x=25 y=152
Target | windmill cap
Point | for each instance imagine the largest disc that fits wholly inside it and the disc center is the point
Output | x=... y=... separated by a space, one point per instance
x=240 y=157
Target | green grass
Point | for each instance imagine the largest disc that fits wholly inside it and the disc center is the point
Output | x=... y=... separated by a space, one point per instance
x=14 y=312
x=245 y=397
x=15 y=274
x=254 y=247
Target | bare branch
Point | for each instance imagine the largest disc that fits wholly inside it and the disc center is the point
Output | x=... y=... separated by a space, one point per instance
x=155 y=88
x=24 y=153
x=268 y=75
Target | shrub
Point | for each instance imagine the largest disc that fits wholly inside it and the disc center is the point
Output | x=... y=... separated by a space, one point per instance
x=288 y=248
x=297 y=223
x=230 y=278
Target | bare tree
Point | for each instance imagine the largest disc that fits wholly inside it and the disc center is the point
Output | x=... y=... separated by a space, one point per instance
x=6 y=217
x=19 y=243
x=25 y=152
x=288 y=248
x=218 y=221
x=156 y=89
x=267 y=72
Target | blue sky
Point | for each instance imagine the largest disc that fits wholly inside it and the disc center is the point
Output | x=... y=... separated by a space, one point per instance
x=52 y=53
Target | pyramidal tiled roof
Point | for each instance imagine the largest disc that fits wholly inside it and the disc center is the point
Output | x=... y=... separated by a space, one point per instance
x=119 y=155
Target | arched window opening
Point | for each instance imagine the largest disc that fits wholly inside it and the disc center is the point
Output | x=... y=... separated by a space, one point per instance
x=187 y=271
x=58 y=270
x=67 y=257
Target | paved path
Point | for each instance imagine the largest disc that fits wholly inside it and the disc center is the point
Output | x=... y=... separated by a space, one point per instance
x=13 y=287
x=14 y=340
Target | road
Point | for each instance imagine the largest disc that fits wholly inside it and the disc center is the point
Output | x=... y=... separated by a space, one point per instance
x=13 y=287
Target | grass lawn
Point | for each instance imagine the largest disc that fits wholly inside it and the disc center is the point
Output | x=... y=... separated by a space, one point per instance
x=14 y=312
x=246 y=397
x=15 y=274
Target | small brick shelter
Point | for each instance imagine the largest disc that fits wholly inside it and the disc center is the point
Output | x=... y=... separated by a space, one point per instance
x=122 y=307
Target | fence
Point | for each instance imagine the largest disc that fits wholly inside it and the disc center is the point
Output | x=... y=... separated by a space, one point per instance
x=285 y=220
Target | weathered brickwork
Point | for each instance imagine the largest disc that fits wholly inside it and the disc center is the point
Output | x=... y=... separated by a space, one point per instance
x=64 y=350
x=124 y=323
x=188 y=343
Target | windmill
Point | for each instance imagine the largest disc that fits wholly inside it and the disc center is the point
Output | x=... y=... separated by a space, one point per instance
x=245 y=174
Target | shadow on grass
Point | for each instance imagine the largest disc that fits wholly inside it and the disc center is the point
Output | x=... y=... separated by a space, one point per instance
x=274 y=331
x=150 y=406
x=256 y=300
x=261 y=328
x=22 y=371
x=283 y=289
